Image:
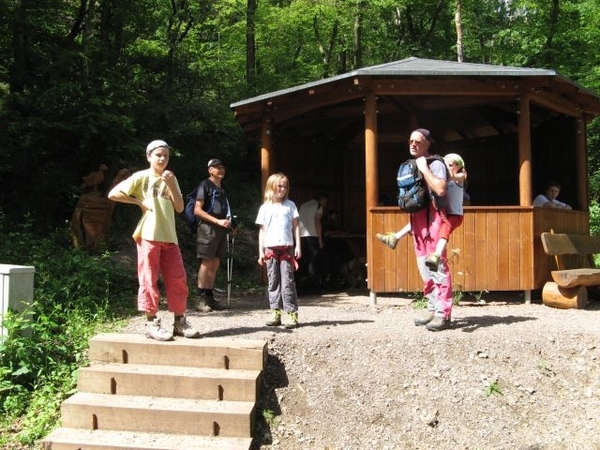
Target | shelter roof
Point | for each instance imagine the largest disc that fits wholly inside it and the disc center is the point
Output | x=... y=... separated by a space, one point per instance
x=417 y=85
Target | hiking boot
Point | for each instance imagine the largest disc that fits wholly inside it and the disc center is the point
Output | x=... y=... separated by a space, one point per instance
x=432 y=262
x=292 y=320
x=388 y=239
x=424 y=318
x=438 y=324
x=201 y=305
x=275 y=319
x=182 y=328
x=214 y=305
x=154 y=331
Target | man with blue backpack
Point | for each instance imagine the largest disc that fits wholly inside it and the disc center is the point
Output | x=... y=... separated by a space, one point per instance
x=215 y=221
x=428 y=173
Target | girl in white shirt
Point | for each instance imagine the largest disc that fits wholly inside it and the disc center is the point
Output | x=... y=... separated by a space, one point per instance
x=279 y=248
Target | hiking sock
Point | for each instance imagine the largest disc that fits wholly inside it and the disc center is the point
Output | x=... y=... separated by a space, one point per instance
x=199 y=291
x=208 y=293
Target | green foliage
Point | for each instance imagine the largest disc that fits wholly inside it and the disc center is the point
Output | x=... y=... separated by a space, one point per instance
x=493 y=388
x=457 y=296
x=419 y=301
x=92 y=86
x=270 y=418
x=76 y=295
x=595 y=218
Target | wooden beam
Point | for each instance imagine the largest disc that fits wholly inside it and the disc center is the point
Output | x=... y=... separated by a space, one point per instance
x=449 y=86
x=555 y=103
x=525 y=183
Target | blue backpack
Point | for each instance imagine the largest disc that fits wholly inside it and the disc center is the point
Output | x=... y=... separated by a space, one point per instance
x=413 y=192
x=188 y=212
x=190 y=203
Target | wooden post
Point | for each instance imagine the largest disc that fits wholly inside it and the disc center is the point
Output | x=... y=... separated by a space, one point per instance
x=266 y=158
x=371 y=170
x=266 y=168
x=525 y=183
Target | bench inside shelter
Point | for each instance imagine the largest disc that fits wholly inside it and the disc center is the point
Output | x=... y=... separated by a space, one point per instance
x=574 y=256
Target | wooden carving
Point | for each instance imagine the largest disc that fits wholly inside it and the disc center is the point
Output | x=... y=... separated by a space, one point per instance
x=90 y=223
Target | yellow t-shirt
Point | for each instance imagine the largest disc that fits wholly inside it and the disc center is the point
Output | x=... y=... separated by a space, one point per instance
x=159 y=224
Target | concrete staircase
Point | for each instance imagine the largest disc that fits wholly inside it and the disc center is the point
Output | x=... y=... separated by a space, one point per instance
x=143 y=394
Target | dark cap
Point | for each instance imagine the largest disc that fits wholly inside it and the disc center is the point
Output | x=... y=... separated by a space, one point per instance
x=425 y=132
x=214 y=162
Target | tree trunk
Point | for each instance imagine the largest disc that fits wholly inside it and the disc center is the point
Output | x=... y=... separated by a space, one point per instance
x=459 y=32
x=358 y=19
x=250 y=45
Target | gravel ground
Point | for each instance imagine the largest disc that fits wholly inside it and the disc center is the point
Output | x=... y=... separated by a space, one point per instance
x=507 y=375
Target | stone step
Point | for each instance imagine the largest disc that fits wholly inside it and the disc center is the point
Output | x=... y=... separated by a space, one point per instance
x=170 y=381
x=79 y=439
x=157 y=414
x=220 y=353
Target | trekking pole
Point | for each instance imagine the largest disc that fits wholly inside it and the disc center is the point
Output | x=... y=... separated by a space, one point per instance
x=230 y=247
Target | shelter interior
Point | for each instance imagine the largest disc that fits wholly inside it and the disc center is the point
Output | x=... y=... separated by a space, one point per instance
x=323 y=150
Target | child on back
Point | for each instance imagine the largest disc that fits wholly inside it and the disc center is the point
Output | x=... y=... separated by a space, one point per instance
x=454 y=212
x=156 y=192
x=279 y=248
x=454 y=206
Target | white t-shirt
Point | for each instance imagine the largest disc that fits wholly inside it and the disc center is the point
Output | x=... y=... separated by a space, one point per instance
x=309 y=211
x=541 y=200
x=277 y=218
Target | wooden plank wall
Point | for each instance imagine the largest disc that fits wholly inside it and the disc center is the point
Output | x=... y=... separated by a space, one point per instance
x=496 y=249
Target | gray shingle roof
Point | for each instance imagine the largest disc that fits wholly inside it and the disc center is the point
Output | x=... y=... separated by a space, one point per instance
x=416 y=67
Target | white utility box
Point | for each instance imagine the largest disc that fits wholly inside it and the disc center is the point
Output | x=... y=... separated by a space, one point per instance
x=16 y=288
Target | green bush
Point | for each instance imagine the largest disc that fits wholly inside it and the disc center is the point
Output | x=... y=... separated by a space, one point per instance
x=76 y=295
x=595 y=218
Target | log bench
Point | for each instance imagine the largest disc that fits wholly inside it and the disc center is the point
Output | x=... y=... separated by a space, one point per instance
x=575 y=269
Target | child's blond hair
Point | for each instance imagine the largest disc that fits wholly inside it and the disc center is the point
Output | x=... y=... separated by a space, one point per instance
x=456 y=159
x=271 y=187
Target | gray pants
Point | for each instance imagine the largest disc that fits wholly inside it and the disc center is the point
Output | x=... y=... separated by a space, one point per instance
x=281 y=285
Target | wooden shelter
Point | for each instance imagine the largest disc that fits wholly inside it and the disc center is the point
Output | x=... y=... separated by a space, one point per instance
x=516 y=128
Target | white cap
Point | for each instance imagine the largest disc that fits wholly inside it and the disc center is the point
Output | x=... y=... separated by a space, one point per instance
x=156 y=144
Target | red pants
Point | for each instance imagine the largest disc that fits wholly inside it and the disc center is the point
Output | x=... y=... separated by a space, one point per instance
x=437 y=286
x=447 y=226
x=161 y=258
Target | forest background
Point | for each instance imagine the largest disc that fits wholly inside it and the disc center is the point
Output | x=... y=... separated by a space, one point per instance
x=91 y=82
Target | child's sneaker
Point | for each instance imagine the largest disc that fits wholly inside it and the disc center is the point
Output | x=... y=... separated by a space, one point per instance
x=275 y=319
x=292 y=320
x=154 y=331
x=182 y=328
x=432 y=262
x=388 y=239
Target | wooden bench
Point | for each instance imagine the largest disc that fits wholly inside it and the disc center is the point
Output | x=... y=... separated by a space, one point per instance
x=575 y=269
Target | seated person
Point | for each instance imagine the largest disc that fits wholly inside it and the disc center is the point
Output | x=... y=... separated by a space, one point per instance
x=549 y=199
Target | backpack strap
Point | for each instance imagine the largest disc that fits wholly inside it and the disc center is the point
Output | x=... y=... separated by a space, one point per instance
x=438 y=202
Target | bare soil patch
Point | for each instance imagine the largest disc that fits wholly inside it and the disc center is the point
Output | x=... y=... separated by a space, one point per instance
x=507 y=375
